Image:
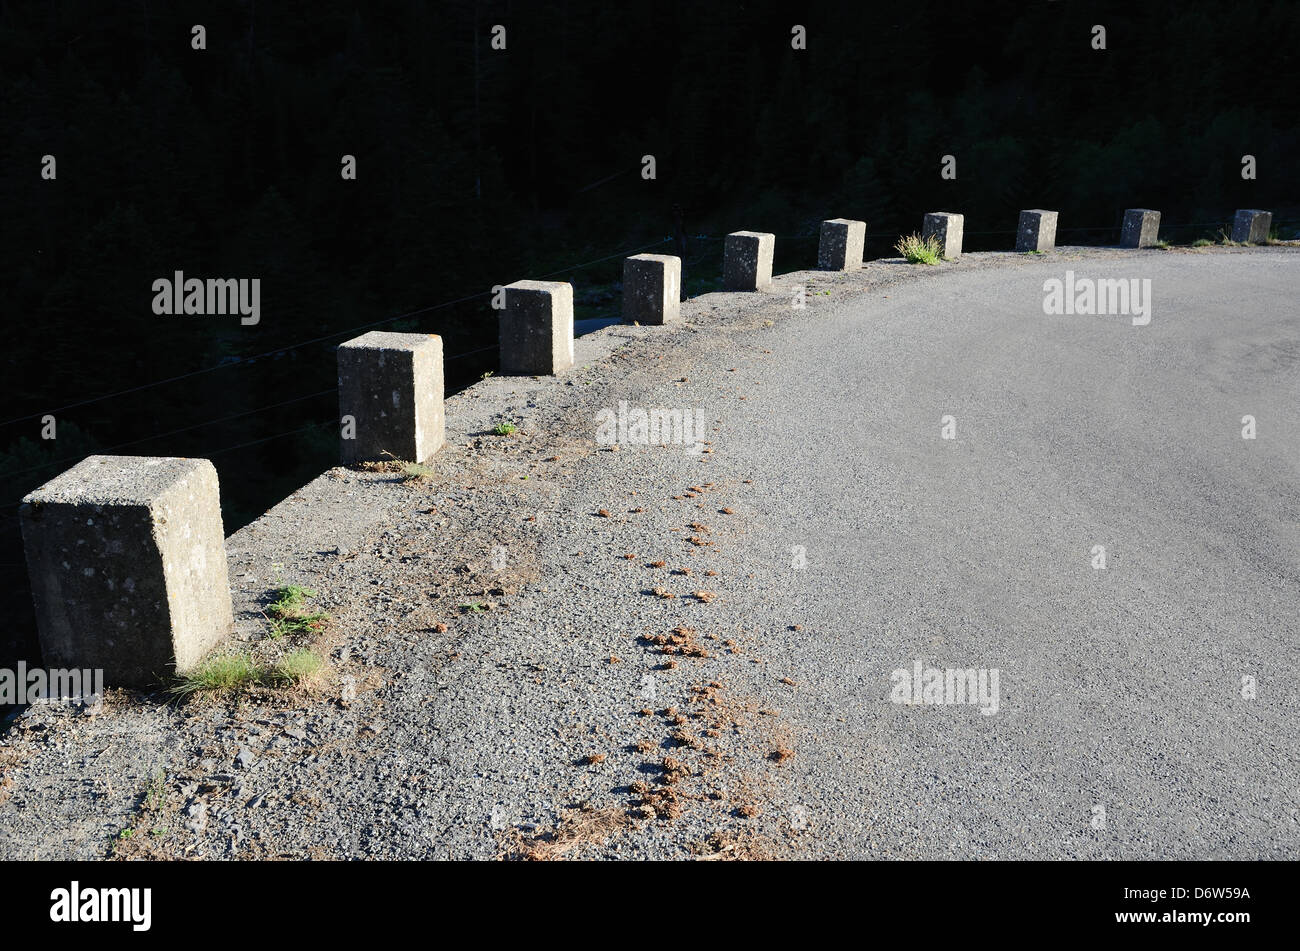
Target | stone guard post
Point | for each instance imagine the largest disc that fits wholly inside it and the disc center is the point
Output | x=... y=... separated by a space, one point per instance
x=536 y=328
x=128 y=567
x=1036 y=231
x=652 y=289
x=1141 y=228
x=391 y=386
x=841 y=244
x=948 y=228
x=747 y=260
x=1251 y=226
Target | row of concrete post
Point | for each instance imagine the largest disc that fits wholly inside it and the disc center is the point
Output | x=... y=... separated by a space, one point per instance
x=1036 y=230
x=127 y=555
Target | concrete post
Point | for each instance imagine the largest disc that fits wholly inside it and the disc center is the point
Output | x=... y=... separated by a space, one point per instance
x=127 y=561
x=536 y=328
x=1036 y=231
x=747 y=260
x=390 y=397
x=1251 y=226
x=652 y=288
x=1141 y=228
x=947 y=227
x=841 y=244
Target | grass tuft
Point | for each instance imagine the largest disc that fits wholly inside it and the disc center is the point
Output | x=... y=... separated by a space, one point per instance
x=918 y=250
x=289 y=613
x=504 y=429
x=226 y=673
x=235 y=673
x=295 y=668
x=414 y=472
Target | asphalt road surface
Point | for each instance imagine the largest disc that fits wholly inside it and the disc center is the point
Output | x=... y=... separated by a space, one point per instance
x=1126 y=725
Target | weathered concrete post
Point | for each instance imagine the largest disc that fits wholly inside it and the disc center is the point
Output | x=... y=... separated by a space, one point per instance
x=652 y=288
x=747 y=260
x=1251 y=226
x=127 y=560
x=1036 y=231
x=536 y=328
x=947 y=227
x=390 y=397
x=841 y=244
x=1141 y=228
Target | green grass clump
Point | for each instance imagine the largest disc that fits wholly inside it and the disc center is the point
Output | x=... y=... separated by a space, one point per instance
x=918 y=250
x=414 y=472
x=295 y=667
x=155 y=793
x=1202 y=243
x=289 y=613
x=235 y=673
x=503 y=429
x=227 y=673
